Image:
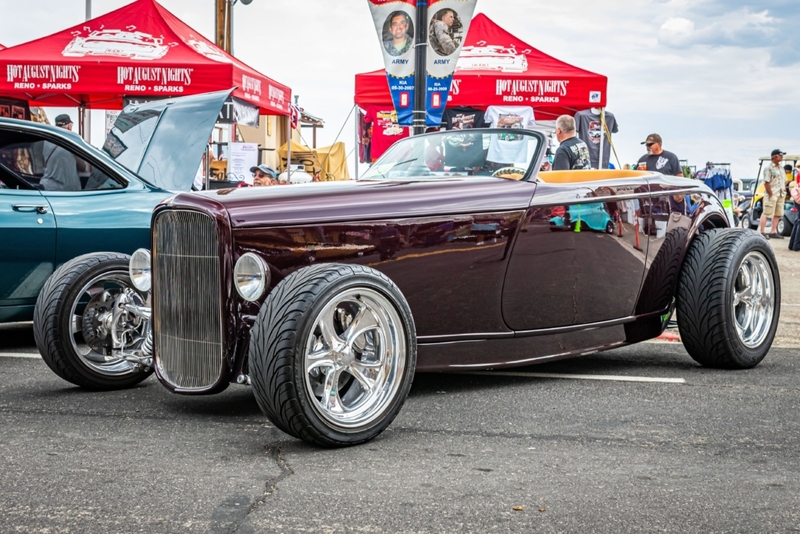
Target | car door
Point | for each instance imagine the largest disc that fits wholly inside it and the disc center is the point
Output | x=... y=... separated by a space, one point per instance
x=108 y=214
x=27 y=248
x=580 y=254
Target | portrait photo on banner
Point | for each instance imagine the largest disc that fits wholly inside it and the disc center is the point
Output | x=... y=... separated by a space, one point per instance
x=398 y=33
x=445 y=32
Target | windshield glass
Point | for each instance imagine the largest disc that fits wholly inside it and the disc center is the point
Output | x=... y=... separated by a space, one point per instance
x=475 y=152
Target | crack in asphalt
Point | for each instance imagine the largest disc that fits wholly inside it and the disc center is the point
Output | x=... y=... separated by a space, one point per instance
x=271 y=486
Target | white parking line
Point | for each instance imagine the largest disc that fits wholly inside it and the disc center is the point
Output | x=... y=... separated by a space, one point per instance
x=33 y=356
x=614 y=378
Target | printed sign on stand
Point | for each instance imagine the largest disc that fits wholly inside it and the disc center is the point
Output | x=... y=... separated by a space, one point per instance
x=111 y=117
x=241 y=158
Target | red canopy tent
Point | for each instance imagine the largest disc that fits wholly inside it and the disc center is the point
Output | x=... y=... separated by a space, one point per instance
x=139 y=50
x=496 y=68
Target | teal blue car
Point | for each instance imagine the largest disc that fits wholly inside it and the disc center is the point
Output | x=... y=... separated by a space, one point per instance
x=592 y=216
x=152 y=151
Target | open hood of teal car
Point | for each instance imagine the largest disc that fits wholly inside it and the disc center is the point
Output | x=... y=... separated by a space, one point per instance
x=163 y=141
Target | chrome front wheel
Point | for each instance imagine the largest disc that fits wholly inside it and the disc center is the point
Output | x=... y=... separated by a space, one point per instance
x=332 y=354
x=355 y=358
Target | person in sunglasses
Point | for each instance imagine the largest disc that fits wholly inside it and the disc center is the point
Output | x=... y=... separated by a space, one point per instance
x=657 y=159
x=263 y=175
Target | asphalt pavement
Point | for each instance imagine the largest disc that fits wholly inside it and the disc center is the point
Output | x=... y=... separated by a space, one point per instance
x=694 y=450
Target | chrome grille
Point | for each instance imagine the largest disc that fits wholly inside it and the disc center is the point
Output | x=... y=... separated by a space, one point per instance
x=187 y=306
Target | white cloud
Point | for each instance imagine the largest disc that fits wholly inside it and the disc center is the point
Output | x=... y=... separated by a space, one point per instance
x=676 y=32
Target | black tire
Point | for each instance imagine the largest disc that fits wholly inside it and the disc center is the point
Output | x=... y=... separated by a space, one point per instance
x=281 y=340
x=710 y=277
x=609 y=227
x=661 y=281
x=744 y=222
x=783 y=228
x=52 y=323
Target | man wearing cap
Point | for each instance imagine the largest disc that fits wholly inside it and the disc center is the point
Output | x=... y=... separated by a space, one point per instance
x=657 y=159
x=774 y=180
x=263 y=175
x=60 y=165
x=64 y=121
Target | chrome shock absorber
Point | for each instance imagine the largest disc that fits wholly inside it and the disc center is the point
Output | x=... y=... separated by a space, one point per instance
x=147 y=346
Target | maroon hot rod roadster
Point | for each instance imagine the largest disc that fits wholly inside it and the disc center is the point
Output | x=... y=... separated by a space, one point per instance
x=328 y=297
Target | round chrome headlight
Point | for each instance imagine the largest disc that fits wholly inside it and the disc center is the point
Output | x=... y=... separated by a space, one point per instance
x=139 y=270
x=251 y=276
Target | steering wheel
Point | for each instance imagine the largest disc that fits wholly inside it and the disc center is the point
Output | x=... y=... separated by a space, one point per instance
x=514 y=173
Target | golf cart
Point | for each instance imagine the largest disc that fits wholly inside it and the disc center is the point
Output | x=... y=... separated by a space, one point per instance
x=751 y=211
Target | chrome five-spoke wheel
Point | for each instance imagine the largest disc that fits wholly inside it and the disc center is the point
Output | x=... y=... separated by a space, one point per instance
x=355 y=357
x=753 y=299
x=729 y=297
x=333 y=353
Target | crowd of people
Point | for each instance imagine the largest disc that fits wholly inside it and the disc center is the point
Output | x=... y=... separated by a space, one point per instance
x=779 y=180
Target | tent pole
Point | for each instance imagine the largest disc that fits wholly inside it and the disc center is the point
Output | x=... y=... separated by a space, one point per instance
x=602 y=137
x=288 y=147
x=420 y=70
x=207 y=164
x=356 y=121
x=87 y=120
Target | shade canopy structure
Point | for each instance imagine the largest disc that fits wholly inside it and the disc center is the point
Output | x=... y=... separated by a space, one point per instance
x=140 y=50
x=329 y=163
x=496 y=68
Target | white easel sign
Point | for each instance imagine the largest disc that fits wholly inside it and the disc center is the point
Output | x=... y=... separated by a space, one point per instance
x=241 y=158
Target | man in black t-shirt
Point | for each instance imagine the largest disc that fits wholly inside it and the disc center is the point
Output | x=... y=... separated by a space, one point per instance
x=657 y=159
x=572 y=153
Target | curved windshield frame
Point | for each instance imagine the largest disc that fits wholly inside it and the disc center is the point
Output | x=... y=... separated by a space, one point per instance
x=477 y=152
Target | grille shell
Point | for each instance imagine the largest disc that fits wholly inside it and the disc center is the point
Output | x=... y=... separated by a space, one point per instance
x=187 y=300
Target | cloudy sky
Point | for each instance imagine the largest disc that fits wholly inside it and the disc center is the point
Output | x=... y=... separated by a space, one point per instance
x=718 y=79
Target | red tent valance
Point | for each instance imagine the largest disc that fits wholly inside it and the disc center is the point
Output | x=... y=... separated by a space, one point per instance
x=139 y=50
x=496 y=68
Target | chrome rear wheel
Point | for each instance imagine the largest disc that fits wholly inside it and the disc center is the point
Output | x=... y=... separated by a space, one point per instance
x=753 y=299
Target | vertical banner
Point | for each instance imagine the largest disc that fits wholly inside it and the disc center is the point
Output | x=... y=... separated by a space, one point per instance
x=448 y=23
x=394 y=23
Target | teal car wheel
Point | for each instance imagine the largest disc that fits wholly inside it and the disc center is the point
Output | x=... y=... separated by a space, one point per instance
x=82 y=327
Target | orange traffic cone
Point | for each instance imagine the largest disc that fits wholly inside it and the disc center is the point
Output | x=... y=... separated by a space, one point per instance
x=636 y=228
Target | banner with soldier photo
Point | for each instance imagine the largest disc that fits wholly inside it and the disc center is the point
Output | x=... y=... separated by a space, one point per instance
x=448 y=23
x=394 y=22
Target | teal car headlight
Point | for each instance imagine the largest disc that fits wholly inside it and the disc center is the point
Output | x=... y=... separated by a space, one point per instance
x=140 y=271
x=250 y=276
